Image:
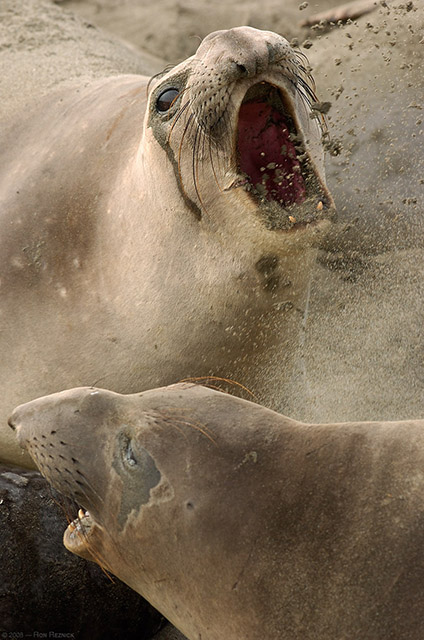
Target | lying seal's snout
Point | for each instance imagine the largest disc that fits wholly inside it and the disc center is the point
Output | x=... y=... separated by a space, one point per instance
x=16 y=422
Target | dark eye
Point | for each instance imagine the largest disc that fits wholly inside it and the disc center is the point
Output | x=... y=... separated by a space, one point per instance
x=128 y=452
x=166 y=99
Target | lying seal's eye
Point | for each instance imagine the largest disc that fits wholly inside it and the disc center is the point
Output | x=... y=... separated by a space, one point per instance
x=130 y=458
x=166 y=99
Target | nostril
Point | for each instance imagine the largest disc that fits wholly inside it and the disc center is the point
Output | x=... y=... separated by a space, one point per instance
x=242 y=69
x=11 y=423
x=271 y=53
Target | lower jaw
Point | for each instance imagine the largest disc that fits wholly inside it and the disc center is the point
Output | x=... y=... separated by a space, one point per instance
x=310 y=212
x=78 y=532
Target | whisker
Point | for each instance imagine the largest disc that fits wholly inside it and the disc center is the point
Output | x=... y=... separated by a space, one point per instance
x=174 y=425
x=195 y=167
x=177 y=117
x=212 y=164
x=189 y=123
x=197 y=428
x=187 y=410
x=201 y=379
x=69 y=506
x=203 y=429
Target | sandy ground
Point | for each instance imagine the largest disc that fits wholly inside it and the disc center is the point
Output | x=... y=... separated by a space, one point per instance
x=43 y=47
x=173 y=29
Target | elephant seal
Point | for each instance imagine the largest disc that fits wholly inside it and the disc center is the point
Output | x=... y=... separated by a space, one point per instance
x=235 y=521
x=157 y=230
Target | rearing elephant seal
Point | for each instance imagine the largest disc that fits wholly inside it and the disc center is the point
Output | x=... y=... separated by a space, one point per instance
x=156 y=230
x=235 y=521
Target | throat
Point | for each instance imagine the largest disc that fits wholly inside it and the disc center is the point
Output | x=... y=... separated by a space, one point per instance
x=267 y=154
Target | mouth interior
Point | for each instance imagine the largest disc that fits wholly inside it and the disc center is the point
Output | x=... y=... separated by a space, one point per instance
x=266 y=147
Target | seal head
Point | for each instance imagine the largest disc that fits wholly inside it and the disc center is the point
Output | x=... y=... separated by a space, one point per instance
x=235 y=521
x=241 y=105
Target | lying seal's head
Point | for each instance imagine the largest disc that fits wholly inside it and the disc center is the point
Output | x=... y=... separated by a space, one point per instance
x=106 y=451
x=236 y=120
x=235 y=521
x=87 y=443
x=160 y=486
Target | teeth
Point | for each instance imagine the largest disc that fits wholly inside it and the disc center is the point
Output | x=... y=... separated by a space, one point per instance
x=238 y=182
x=320 y=206
x=77 y=527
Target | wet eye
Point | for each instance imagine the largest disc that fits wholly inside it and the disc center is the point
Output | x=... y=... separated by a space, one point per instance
x=128 y=452
x=166 y=99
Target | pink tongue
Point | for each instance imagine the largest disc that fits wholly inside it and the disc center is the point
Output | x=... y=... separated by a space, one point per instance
x=262 y=130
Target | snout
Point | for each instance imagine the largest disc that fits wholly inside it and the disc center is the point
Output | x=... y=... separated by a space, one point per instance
x=47 y=417
x=243 y=52
x=13 y=421
x=20 y=416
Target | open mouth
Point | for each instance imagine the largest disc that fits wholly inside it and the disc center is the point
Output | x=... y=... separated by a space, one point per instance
x=273 y=163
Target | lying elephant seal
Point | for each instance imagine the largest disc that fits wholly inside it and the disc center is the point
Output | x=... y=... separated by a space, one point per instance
x=157 y=230
x=235 y=521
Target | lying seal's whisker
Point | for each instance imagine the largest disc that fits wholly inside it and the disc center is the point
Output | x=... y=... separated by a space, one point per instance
x=166 y=420
x=69 y=506
x=183 y=410
x=188 y=411
x=202 y=429
x=81 y=533
x=203 y=380
x=66 y=504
